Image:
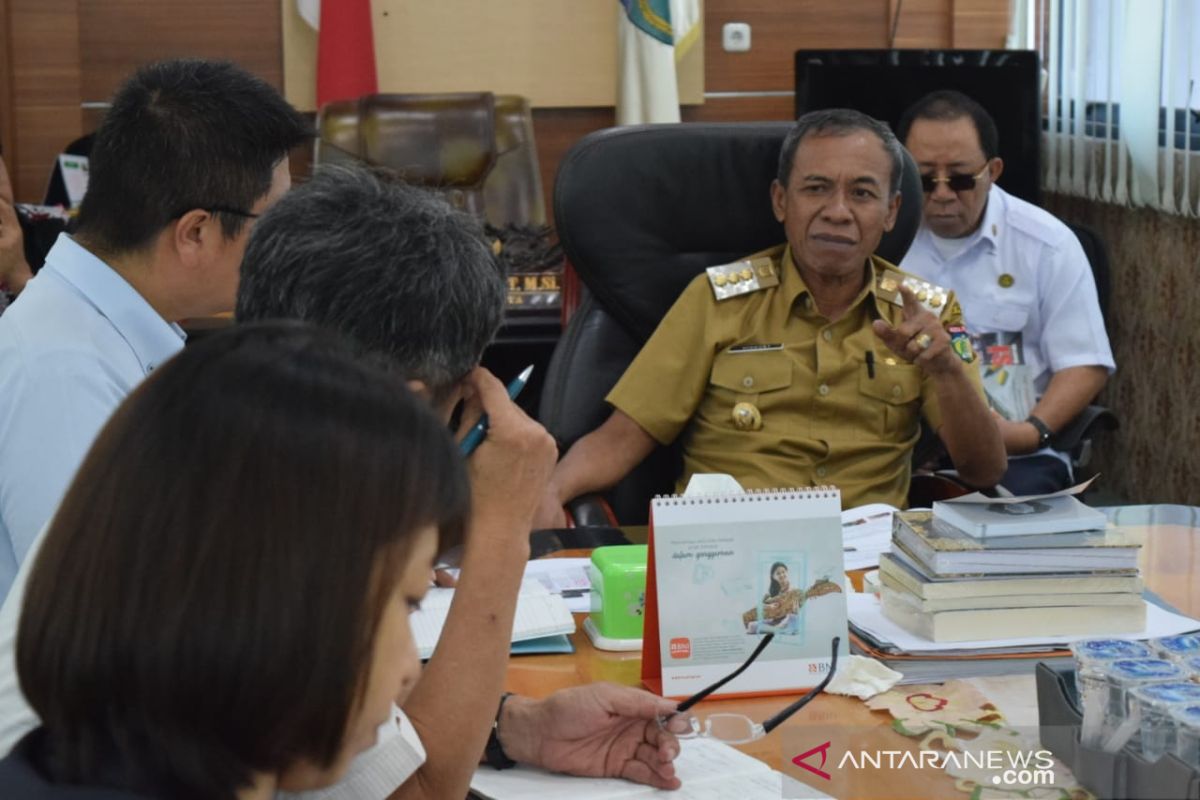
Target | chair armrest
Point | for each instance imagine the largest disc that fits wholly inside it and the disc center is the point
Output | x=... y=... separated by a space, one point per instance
x=1090 y=421
x=551 y=540
x=591 y=510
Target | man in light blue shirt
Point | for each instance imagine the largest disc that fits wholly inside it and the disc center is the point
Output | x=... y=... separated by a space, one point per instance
x=189 y=155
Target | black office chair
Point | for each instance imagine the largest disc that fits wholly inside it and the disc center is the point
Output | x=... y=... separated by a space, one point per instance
x=640 y=212
x=1076 y=437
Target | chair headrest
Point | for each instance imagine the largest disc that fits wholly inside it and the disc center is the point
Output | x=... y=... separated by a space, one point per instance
x=436 y=140
x=640 y=210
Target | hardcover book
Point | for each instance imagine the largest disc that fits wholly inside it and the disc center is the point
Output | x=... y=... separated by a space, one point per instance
x=897 y=571
x=1029 y=518
x=947 y=550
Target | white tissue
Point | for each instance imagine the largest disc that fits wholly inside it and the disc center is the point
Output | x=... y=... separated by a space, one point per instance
x=862 y=677
x=712 y=483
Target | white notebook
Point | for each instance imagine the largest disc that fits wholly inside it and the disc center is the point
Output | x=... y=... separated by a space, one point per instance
x=539 y=613
x=709 y=770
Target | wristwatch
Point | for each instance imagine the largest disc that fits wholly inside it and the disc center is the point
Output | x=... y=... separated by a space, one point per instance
x=1044 y=432
x=494 y=753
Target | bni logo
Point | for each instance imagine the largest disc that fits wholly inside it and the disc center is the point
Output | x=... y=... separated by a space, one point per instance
x=802 y=760
x=680 y=648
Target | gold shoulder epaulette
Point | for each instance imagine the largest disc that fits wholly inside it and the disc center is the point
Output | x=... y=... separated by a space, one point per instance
x=889 y=281
x=742 y=277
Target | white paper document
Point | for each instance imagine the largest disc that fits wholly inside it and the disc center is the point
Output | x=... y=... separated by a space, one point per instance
x=566 y=577
x=708 y=769
x=866 y=532
x=539 y=613
x=979 y=498
x=865 y=613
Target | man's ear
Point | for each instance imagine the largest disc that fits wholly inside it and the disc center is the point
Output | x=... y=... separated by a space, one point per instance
x=779 y=200
x=188 y=234
x=893 y=209
x=996 y=168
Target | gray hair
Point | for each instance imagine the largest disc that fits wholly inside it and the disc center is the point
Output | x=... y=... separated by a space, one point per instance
x=394 y=268
x=840 y=122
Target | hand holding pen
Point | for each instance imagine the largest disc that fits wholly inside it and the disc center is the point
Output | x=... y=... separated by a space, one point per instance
x=478 y=431
x=511 y=466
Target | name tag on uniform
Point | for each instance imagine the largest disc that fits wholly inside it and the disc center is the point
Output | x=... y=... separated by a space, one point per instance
x=754 y=348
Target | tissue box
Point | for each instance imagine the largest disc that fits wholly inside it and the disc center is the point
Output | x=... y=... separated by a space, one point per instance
x=618 y=576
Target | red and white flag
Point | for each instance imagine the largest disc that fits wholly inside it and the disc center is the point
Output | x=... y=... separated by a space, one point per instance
x=345 y=48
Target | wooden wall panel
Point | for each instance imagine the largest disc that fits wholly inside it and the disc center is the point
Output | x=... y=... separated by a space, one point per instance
x=7 y=125
x=555 y=130
x=116 y=36
x=777 y=30
x=980 y=24
x=45 y=78
x=67 y=51
x=922 y=23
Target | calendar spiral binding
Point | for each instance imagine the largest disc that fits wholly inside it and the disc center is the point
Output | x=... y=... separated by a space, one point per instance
x=749 y=496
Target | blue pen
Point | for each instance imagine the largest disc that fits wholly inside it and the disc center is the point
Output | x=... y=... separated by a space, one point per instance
x=478 y=431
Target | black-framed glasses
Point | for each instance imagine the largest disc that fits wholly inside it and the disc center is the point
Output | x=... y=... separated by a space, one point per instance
x=738 y=728
x=218 y=210
x=957 y=183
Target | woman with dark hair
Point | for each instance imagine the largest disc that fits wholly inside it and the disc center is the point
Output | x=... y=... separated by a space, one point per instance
x=780 y=604
x=220 y=606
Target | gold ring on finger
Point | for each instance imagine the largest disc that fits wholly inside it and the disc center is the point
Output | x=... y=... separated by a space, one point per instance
x=923 y=340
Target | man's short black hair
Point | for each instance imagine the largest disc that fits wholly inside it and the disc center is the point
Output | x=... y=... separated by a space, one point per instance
x=181 y=135
x=946 y=105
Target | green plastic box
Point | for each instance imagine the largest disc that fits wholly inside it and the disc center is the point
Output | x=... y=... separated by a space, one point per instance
x=618 y=576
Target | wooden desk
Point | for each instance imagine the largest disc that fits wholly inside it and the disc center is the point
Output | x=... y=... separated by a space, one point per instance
x=1170 y=563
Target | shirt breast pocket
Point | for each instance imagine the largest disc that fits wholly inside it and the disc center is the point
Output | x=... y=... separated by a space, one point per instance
x=745 y=377
x=892 y=399
x=1002 y=317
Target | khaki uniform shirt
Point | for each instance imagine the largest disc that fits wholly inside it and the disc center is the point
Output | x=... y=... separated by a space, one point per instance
x=825 y=420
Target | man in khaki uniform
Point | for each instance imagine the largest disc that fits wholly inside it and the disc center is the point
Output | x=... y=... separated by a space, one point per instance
x=809 y=363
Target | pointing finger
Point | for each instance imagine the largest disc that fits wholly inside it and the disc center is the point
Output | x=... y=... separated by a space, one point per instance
x=912 y=306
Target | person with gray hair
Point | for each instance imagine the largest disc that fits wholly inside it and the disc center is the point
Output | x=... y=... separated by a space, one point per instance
x=428 y=294
x=806 y=364
x=412 y=282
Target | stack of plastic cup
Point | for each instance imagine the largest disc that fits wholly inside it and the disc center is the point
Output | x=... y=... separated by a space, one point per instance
x=1152 y=705
x=1093 y=685
x=1192 y=664
x=1181 y=647
x=1187 y=734
x=1124 y=675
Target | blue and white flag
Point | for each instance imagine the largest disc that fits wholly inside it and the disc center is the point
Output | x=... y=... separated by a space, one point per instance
x=651 y=36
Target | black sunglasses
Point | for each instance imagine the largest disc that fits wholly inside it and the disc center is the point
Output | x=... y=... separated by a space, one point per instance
x=957 y=183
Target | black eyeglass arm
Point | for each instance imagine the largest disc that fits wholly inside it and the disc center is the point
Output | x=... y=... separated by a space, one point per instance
x=703 y=693
x=774 y=721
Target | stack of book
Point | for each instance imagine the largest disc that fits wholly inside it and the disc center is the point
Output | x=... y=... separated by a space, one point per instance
x=984 y=571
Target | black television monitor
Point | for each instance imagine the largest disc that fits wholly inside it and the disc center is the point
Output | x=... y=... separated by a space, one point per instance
x=883 y=83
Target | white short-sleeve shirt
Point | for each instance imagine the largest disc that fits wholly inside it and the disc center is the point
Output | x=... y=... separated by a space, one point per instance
x=72 y=346
x=1051 y=297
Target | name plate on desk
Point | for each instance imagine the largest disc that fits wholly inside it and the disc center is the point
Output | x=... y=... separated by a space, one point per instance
x=725 y=570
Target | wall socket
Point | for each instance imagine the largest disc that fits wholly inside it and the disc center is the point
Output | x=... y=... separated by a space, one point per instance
x=735 y=37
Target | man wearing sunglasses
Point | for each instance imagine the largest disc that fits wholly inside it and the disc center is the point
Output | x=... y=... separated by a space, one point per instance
x=1016 y=270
